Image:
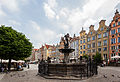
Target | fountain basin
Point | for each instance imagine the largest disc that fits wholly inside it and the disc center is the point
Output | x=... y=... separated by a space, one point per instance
x=66 y=50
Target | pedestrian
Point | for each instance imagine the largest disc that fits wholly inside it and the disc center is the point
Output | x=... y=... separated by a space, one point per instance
x=5 y=70
x=28 y=66
x=2 y=69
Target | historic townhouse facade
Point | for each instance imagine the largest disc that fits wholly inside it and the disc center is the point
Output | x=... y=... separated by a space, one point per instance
x=91 y=41
x=105 y=40
x=82 y=43
x=102 y=39
x=74 y=43
x=114 y=36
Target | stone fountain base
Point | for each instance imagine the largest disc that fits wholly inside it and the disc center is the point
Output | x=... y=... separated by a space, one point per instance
x=67 y=71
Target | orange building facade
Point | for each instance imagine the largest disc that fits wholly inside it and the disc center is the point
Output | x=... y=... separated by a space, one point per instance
x=114 y=36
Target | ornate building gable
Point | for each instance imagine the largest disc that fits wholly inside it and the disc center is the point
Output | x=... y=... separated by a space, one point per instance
x=91 y=31
x=102 y=26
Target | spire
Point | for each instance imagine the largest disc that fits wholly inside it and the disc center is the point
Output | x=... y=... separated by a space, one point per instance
x=74 y=35
x=116 y=11
x=82 y=28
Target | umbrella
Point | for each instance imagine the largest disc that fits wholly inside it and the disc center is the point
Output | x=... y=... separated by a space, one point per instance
x=21 y=61
x=116 y=56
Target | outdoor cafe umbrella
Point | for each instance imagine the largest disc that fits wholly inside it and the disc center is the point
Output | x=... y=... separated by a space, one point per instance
x=116 y=57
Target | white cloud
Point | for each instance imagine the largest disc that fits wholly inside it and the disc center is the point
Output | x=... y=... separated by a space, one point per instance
x=41 y=35
x=64 y=12
x=48 y=11
x=52 y=3
x=89 y=22
x=34 y=25
x=13 y=22
x=57 y=17
x=71 y=20
x=2 y=13
x=11 y=5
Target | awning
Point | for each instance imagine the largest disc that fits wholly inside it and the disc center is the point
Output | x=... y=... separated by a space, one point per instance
x=116 y=56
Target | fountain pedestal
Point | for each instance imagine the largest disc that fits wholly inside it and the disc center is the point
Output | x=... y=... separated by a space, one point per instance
x=66 y=52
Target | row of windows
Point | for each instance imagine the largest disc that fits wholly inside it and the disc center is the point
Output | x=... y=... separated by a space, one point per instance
x=113 y=40
x=116 y=24
x=102 y=28
x=115 y=47
x=113 y=31
x=82 y=42
x=89 y=51
x=99 y=49
x=99 y=44
x=104 y=49
x=105 y=34
x=82 y=52
x=113 y=54
x=83 y=47
x=99 y=36
x=93 y=45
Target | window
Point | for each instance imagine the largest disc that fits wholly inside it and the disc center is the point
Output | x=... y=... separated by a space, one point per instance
x=93 y=50
x=118 y=39
x=89 y=51
x=84 y=41
x=119 y=23
x=114 y=25
x=101 y=29
x=112 y=31
x=83 y=52
x=83 y=46
x=105 y=42
x=91 y=33
x=105 y=49
x=80 y=52
x=93 y=45
x=105 y=56
x=99 y=43
x=80 y=47
x=118 y=30
x=89 y=45
x=88 y=39
x=80 y=41
x=113 y=41
x=112 y=54
x=99 y=35
x=118 y=46
x=83 y=36
x=113 y=48
x=118 y=54
x=99 y=49
x=105 y=34
x=93 y=38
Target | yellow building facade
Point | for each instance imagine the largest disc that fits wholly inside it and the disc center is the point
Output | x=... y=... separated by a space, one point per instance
x=82 y=42
x=91 y=41
x=102 y=39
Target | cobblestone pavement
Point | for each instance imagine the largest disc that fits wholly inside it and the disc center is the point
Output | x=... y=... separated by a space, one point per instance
x=106 y=74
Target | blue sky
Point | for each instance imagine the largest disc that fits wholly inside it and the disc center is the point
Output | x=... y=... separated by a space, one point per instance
x=45 y=21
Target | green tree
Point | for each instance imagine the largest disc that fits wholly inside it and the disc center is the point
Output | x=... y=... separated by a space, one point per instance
x=13 y=45
x=98 y=58
x=85 y=56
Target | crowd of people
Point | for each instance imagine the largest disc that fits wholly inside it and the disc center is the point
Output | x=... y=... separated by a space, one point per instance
x=14 y=66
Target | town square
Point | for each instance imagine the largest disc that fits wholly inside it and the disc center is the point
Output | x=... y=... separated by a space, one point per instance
x=60 y=40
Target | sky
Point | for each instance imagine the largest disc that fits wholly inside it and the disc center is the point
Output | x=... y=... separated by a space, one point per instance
x=45 y=21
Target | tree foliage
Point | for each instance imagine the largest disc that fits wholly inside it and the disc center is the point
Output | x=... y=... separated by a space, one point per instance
x=85 y=56
x=98 y=58
x=13 y=44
